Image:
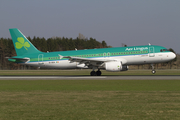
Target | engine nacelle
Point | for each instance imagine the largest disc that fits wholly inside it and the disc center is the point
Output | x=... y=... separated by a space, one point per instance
x=115 y=66
x=81 y=65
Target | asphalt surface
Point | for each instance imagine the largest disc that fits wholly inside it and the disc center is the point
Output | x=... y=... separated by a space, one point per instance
x=150 y=77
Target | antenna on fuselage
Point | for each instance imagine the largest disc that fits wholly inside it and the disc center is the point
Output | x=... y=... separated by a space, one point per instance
x=149 y=44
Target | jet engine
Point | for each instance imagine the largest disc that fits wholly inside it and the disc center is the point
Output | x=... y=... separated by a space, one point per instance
x=115 y=66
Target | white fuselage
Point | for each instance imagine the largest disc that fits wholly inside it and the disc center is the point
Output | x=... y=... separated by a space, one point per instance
x=126 y=60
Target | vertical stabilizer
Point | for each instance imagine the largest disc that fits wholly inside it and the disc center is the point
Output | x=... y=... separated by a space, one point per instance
x=21 y=44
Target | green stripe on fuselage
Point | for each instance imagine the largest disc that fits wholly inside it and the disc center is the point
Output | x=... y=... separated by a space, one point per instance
x=95 y=53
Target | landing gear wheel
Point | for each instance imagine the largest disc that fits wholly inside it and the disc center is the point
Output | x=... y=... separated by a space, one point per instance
x=153 y=71
x=93 y=73
x=98 y=73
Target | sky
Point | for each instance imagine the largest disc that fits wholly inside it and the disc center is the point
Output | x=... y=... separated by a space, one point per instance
x=131 y=22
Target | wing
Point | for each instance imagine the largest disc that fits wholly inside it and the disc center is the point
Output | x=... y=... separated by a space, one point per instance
x=89 y=62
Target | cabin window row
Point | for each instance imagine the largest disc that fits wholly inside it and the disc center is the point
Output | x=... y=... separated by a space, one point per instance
x=104 y=54
x=108 y=54
x=54 y=58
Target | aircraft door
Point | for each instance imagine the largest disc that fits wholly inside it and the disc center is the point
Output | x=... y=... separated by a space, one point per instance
x=151 y=52
x=40 y=59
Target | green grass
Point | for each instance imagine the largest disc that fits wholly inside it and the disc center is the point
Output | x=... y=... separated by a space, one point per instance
x=87 y=72
x=89 y=99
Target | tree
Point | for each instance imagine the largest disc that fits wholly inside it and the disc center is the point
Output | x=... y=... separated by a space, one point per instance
x=104 y=44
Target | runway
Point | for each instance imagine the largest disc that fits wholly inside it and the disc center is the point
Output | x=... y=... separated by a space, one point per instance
x=150 y=77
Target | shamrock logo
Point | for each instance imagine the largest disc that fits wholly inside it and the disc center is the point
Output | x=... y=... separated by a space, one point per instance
x=21 y=43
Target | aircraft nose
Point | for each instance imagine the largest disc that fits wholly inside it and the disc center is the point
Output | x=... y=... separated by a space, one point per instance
x=172 y=55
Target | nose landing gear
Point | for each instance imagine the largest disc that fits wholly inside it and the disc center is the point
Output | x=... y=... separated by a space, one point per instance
x=153 y=70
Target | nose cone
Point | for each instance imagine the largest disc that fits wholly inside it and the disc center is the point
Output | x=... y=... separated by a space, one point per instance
x=172 y=55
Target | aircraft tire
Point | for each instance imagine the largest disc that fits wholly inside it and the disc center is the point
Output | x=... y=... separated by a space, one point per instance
x=98 y=73
x=153 y=71
x=93 y=73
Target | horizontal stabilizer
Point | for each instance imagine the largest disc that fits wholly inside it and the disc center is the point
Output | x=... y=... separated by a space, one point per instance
x=24 y=60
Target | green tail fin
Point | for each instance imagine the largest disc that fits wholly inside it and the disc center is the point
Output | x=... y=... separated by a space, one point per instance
x=21 y=44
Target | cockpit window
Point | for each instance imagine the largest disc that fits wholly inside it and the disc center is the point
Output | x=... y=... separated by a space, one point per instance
x=164 y=50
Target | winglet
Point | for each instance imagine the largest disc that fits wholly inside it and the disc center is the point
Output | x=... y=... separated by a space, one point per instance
x=60 y=56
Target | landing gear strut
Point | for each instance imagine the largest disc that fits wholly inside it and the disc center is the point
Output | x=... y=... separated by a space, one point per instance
x=153 y=70
x=97 y=73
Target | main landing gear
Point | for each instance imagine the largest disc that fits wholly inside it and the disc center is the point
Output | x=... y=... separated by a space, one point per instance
x=97 y=73
x=153 y=70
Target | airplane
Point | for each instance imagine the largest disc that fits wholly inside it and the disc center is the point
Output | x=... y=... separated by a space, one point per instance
x=111 y=59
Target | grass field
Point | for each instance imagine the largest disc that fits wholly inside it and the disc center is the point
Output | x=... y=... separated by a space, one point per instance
x=89 y=99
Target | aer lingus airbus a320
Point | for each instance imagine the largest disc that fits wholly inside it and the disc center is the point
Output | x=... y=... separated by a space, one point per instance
x=111 y=59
